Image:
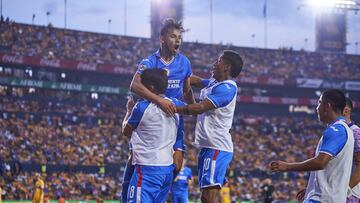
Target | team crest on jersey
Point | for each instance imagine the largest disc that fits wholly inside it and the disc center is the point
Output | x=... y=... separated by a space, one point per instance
x=142 y=67
x=167 y=71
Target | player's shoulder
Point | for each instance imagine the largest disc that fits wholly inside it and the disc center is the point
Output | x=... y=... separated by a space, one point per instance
x=225 y=86
x=183 y=57
x=141 y=105
x=148 y=60
x=335 y=129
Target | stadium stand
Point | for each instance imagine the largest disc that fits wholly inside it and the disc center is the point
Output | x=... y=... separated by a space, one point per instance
x=74 y=129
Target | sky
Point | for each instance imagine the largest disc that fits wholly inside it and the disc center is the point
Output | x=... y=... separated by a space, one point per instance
x=238 y=22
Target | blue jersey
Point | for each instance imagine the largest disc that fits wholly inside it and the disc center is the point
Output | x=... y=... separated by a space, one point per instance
x=179 y=68
x=180 y=185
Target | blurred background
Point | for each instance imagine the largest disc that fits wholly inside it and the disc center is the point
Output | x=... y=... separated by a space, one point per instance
x=66 y=67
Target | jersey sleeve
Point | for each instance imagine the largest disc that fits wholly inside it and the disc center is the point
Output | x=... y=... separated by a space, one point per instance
x=190 y=176
x=137 y=113
x=334 y=139
x=179 y=143
x=178 y=102
x=222 y=95
x=357 y=140
x=144 y=64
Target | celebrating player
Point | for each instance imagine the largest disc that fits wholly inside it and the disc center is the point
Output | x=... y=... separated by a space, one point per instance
x=179 y=71
x=153 y=135
x=215 y=116
x=331 y=166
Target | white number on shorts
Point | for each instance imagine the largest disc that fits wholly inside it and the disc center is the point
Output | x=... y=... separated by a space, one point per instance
x=206 y=163
x=132 y=189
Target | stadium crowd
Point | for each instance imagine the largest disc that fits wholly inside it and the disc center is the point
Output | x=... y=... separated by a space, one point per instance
x=73 y=128
x=55 y=43
x=83 y=131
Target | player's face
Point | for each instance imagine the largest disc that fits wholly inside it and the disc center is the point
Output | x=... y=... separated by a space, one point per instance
x=219 y=68
x=347 y=112
x=321 y=110
x=171 y=41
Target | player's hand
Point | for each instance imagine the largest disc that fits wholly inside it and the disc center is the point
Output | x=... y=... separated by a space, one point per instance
x=278 y=166
x=167 y=106
x=300 y=195
x=130 y=103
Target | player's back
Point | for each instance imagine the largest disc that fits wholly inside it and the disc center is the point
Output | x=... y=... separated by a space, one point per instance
x=155 y=135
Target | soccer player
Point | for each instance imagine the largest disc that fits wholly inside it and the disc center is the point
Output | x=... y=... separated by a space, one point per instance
x=354 y=185
x=180 y=186
x=38 y=196
x=215 y=116
x=331 y=166
x=153 y=135
x=168 y=57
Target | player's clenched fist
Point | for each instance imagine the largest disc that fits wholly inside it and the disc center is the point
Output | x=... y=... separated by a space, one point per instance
x=276 y=166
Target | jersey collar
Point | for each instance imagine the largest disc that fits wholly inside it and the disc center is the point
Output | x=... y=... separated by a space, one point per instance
x=342 y=118
x=167 y=63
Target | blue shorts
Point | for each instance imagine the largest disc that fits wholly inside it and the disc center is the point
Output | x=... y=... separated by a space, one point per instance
x=150 y=184
x=212 y=167
x=179 y=198
x=129 y=170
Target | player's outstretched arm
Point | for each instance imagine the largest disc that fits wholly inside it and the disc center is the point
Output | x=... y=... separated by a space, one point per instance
x=317 y=163
x=197 y=81
x=187 y=91
x=197 y=108
x=138 y=88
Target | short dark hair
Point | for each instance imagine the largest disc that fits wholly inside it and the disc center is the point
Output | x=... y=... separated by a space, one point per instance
x=156 y=77
x=349 y=103
x=169 y=24
x=235 y=60
x=336 y=98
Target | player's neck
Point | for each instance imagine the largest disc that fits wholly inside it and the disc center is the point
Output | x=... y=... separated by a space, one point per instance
x=333 y=117
x=166 y=55
x=223 y=79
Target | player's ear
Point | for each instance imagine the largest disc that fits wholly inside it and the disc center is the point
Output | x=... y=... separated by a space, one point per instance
x=151 y=88
x=162 y=38
x=227 y=67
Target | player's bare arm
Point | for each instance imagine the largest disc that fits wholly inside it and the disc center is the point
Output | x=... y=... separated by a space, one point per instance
x=138 y=88
x=126 y=128
x=355 y=176
x=196 y=81
x=187 y=91
x=197 y=108
x=317 y=163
